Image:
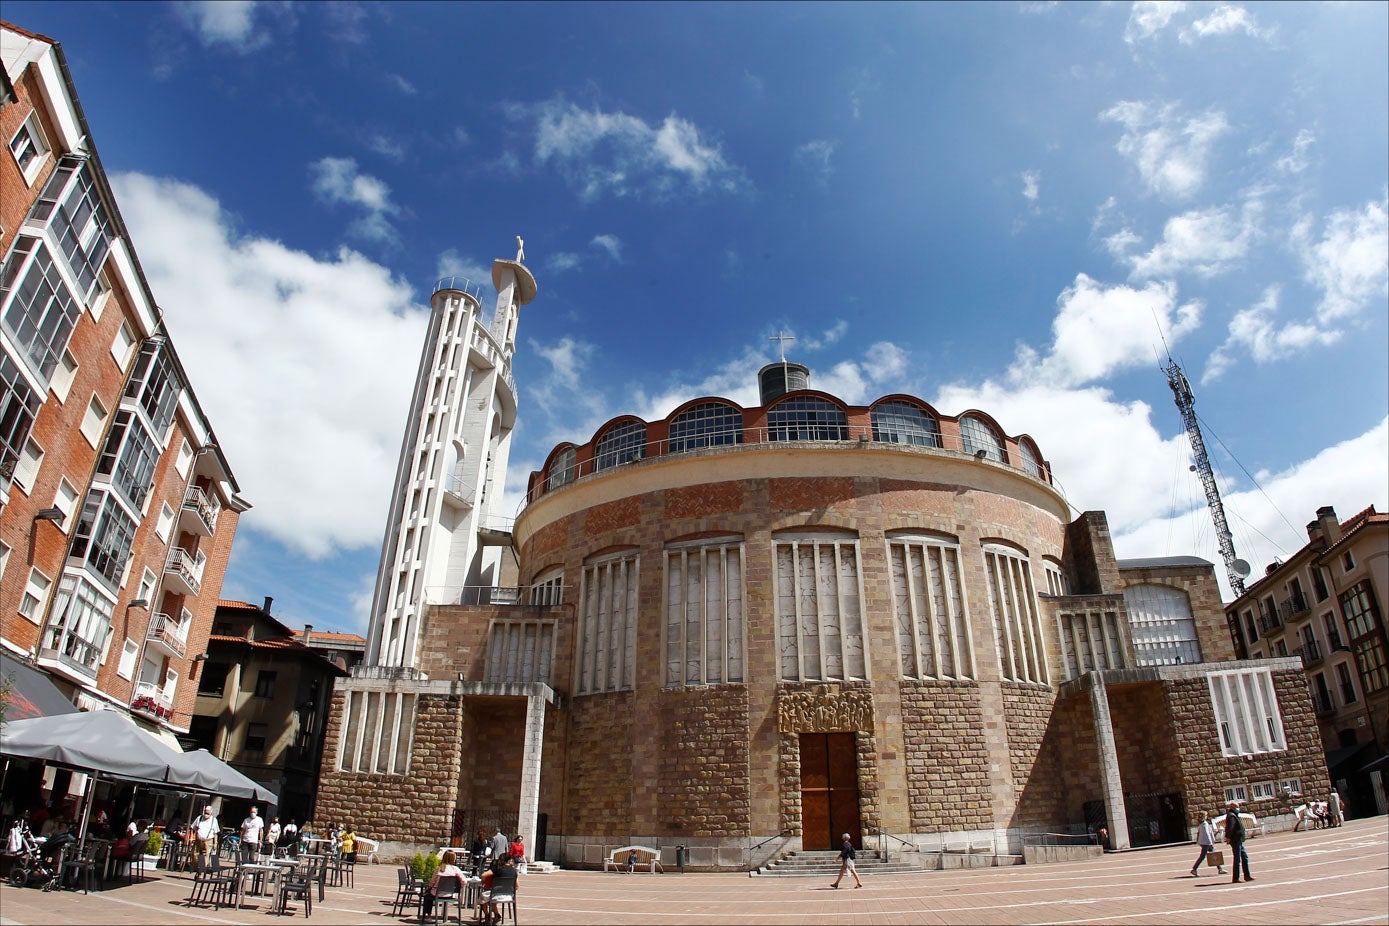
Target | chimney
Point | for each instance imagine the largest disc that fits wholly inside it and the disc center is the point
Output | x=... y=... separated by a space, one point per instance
x=1330 y=524
x=268 y=602
x=308 y=633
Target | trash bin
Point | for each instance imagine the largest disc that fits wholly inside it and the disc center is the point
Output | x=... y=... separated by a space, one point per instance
x=680 y=853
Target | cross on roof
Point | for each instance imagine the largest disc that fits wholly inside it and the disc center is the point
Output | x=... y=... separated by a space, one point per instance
x=783 y=337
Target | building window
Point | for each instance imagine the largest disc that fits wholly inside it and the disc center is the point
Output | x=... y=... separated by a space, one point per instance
x=621 y=443
x=1348 y=561
x=1291 y=786
x=608 y=624
x=146 y=592
x=214 y=678
x=165 y=522
x=94 y=420
x=520 y=651
x=40 y=312
x=807 y=417
x=819 y=607
x=1319 y=584
x=899 y=422
x=27 y=470
x=1057 y=582
x=65 y=501
x=561 y=470
x=1237 y=794
x=19 y=403
x=122 y=344
x=154 y=386
x=71 y=206
x=1281 y=648
x=103 y=537
x=35 y=594
x=29 y=147
x=81 y=623
x=1028 y=458
x=934 y=639
x=255 y=739
x=129 y=651
x=1246 y=712
x=129 y=457
x=184 y=458
x=1251 y=628
x=1365 y=629
x=1017 y=629
x=1090 y=640
x=708 y=424
x=1347 y=684
x=704 y=612
x=377 y=732
x=1333 y=633
x=63 y=376
x=548 y=589
x=1263 y=790
x=1161 y=626
x=978 y=435
x=265 y=683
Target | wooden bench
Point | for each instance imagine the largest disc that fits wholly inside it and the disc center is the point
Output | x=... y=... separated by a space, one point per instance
x=646 y=857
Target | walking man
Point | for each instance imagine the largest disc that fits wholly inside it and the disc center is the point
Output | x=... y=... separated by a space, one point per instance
x=205 y=833
x=1234 y=835
x=252 y=829
x=846 y=862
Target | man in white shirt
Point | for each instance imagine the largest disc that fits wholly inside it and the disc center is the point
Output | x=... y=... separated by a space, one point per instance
x=252 y=828
x=205 y=832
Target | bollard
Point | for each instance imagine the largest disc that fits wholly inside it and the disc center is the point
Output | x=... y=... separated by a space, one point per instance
x=680 y=853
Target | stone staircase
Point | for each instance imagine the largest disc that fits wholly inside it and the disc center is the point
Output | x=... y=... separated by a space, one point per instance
x=825 y=864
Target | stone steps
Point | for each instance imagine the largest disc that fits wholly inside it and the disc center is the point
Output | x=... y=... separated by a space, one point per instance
x=821 y=864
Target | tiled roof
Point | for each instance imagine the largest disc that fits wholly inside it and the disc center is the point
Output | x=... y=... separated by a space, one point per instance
x=333 y=636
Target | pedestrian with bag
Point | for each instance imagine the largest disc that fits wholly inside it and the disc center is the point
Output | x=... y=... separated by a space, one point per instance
x=846 y=863
x=1205 y=838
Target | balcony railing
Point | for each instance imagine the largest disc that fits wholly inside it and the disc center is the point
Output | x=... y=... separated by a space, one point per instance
x=1296 y=604
x=167 y=634
x=737 y=436
x=70 y=654
x=199 y=512
x=536 y=596
x=1310 y=652
x=184 y=573
x=1269 y=621
x=150 y=699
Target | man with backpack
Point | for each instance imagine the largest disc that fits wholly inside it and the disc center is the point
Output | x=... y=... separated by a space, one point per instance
x=1234 y=835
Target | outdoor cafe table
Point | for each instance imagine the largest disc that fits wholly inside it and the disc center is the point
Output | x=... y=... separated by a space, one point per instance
x=271 y=872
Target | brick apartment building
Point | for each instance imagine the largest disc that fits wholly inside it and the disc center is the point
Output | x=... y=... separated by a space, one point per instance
x=747 y=630
x=1325 y=605
x=117 y=507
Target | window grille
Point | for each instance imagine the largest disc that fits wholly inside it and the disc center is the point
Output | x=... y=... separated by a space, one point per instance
x=704 y=612
x=899 y=422
x=933 y=626
x=819 y=608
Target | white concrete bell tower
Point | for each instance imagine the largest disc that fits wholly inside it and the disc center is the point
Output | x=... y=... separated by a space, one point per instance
x=453 y=461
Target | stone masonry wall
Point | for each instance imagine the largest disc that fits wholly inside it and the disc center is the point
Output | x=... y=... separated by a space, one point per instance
x=599 y=773
x=703 y=765
x=1149 y=762
x=948 y=779
x=414 y=808
x=1034 y=749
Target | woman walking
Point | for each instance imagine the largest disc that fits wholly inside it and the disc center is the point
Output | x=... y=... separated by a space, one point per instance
x=1205 y=838
x=846 y=862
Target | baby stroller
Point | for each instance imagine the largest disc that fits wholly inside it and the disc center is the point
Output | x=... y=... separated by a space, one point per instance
x=37 y=864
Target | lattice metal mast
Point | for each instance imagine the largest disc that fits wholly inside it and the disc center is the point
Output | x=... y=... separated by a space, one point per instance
x=1235 y=568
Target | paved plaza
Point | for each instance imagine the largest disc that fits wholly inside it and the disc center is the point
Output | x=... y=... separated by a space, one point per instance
x=1325 y=876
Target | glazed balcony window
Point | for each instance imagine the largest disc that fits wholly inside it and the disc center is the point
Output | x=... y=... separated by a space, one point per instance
x=933 y=629
x=899 y=422
x=708 y=424
x=807 y=418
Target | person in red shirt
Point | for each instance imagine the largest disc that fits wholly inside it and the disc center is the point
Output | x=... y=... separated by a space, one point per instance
x=518 y=849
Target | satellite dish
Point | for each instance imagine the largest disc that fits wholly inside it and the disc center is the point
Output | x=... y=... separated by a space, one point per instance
x=1241 y=568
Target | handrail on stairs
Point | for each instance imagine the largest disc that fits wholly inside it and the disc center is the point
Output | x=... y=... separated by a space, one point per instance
x=882 y=846
x=752 y=849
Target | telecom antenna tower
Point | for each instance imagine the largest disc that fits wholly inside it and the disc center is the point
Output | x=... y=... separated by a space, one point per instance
x=1235 y=568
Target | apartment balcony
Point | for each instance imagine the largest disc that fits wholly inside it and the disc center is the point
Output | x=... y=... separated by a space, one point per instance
x=70 y=656
x=1311 y=653
x=198 y=516
x=458 y=493
x=183 y=575
x=1269 y=622
x=149 y=699
x=167 y=636
x=1295 y=605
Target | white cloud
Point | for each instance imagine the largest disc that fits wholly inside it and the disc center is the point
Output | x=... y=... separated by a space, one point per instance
x=1100 y=330
x=562 y=261
x=337 y=180
x=231 y=23
x=1295 y=161
x=386 y=147
x=1254 y=330
x=1225 y=19
x=1350 y=262
x=862 y=83
x=1148 y=17
x=453 y=265
x=1203 y=242
x=1030 y=185
x=1349 y=476
x=610 y=245
x=613 y=153
x=402 y=84
x=1170 y=152
x=279 y=338
x=814 y=157
x=830 y=335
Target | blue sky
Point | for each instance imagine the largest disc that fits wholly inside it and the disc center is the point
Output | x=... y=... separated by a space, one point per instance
x=1002 y=205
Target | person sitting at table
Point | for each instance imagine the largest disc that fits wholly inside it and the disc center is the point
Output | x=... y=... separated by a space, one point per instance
x=447 y=869
x=503 y=886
